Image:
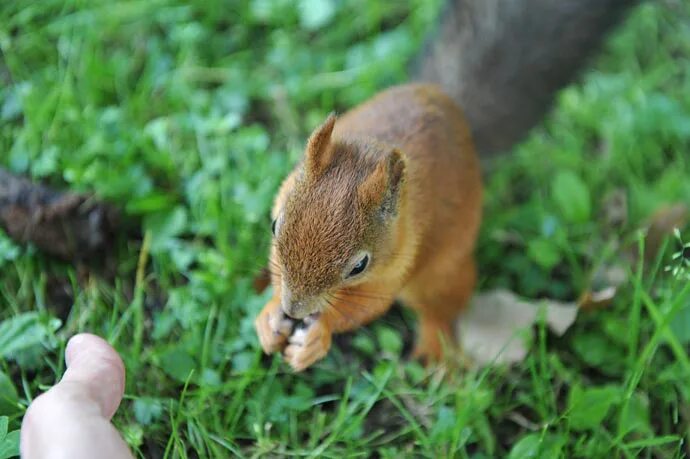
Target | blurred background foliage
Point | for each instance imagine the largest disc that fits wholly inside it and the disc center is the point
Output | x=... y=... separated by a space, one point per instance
x=189 y=114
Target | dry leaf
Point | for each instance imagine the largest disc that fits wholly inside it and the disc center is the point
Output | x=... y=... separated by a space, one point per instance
x=661 y=224
x=600 y=299
x=495 y=328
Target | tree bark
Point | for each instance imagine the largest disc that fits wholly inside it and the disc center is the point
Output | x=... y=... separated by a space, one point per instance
x=65 y=225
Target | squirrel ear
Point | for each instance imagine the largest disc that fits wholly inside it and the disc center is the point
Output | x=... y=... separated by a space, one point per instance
x=319 y=153
x=396 y=170
x=382 y=186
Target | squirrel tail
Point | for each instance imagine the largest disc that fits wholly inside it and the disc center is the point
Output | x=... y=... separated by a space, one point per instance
x=504 y=60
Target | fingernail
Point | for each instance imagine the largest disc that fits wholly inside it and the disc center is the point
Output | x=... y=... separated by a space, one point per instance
x=73 y=347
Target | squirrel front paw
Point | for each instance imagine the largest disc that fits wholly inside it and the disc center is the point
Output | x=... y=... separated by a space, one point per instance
x=308 y=345
x=273 y=327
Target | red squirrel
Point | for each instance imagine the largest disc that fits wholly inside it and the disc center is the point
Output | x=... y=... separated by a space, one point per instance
x=386 y=204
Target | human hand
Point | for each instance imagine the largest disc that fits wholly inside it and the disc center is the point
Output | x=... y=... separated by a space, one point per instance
x=72 y=419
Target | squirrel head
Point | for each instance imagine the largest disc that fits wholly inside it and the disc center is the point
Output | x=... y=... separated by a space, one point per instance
x=335 y=224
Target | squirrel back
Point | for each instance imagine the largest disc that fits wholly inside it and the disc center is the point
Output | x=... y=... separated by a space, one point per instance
x=503 y=61
x=441 y=165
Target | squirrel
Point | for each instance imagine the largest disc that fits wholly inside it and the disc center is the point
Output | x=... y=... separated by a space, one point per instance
x=386 y=204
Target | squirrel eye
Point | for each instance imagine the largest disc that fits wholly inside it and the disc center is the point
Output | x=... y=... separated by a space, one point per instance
x=360 y=266
x=273 y=227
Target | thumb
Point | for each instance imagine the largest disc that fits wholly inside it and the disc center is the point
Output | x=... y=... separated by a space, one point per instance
x=95 y=366
x=72 y=418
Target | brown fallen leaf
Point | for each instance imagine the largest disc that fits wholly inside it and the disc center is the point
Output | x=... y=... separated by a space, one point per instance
x=660 y=225
x=499 y=323
x=600 y=299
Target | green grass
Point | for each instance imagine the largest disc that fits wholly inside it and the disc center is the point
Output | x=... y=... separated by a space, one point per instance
x=188 y=117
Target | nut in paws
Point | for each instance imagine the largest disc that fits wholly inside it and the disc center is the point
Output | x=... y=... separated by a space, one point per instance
x=307 y=345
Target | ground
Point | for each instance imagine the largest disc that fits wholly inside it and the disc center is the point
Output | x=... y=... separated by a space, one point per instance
x=188 y=116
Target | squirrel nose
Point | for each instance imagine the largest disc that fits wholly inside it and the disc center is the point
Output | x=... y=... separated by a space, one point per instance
x=291 y=306
x=294 y=309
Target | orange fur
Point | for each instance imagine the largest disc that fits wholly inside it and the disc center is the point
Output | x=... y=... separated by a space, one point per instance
x=396 y=178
